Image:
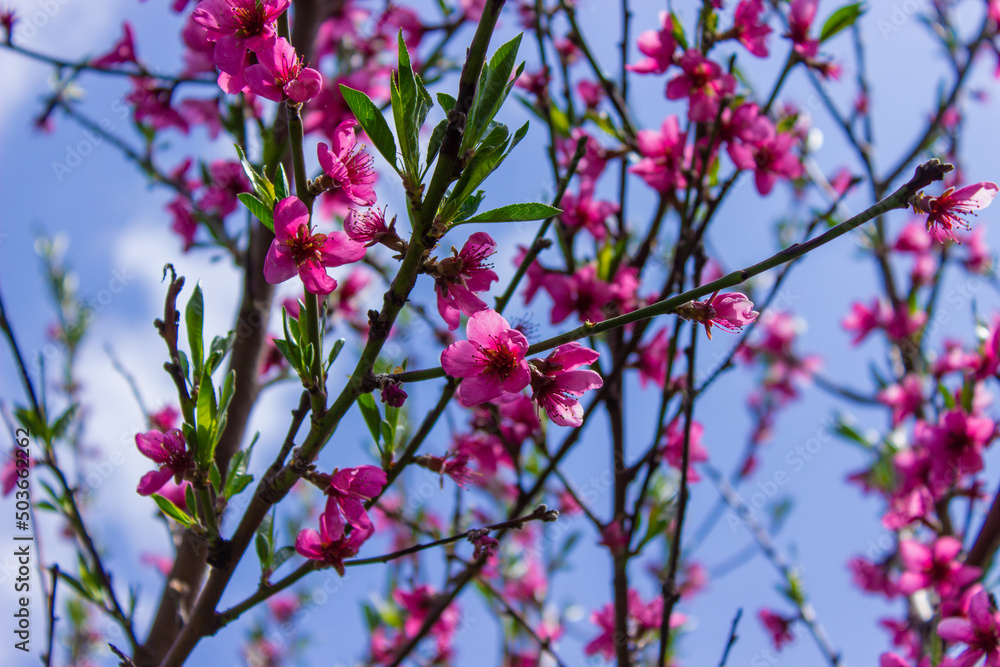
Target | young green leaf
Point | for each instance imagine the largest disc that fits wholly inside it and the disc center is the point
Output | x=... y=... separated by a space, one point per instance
x=261 y=185
x=516 y=213
x=258 y=208
x=281 y=189
x=173 y=511
x=841 y=19
x=370 y=412
x=372 y=121
x=194 y=318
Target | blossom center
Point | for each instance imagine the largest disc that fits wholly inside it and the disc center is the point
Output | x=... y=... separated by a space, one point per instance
x=250 y=19
x=501 y=361
x=304 y=246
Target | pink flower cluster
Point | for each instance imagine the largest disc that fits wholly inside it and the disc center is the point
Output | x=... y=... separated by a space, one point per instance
x=491 y=363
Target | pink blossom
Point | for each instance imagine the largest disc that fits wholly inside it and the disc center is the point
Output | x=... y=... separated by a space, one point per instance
x=393 y=395
x=281 y=75
x=170 y=452
x=184 y=225
x=955 y=444
x=369 y=227
x=749 y=29
x=645 y=616
x=297 y=250
x=227 y=181
x=914 y=239
x=486 y=546
x=202 y=112
x=584 y=211
x=461 y=276
x=344 y=301
x=164 y=419
x=658 y=46
x=416 y=607
x=664 y=156
x=556 y=380
x=978 y=258
x=345 y=495
x=980 y=632
x=487 y=449
x=175 y=493
x=163 y=564
x=673 y=448
x=235 y=26
x=864 y=319
x=934 y=566
x=121 y=52
x=770 y=159
x=8 y=472
x=729 y=311
x=491 y=361
x=583 y=292
x=323 y=546
x=903 y=323
x=704 y=83
x=348 y=167
x=800 y=17
x=872 y=577
x=904 y=398
x=780 y=627
x=590 y=92
x=946 y=211
x=536 y=275
x=152 y=105
x=282 y=606
x=652 y=362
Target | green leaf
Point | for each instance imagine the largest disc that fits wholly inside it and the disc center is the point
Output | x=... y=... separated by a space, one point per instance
x=218 y=350
x=173 y=511
x=370 y=412
x=265 y=541
x=446 y=101
x=843 y=18
x=63 y=421
x=194 y=319
x=206 y=410
x=228 y=389
x=338 y=345
x=281 y=555
x=258 y=208
x=372 y=121
x=261 y=185
x=494 y=86
x=678 y=30
x=434 y=143
x=281 y=189
x=215 y=477
x=469 y=207
x=516 y=213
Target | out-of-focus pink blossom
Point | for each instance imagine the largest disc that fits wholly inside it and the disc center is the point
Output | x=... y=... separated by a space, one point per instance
x=980 y=632
x=778 y=626
x=673 y=448
x=663 y=156
x=749 y=29
x=658 y=46
x=703 y=83
x=122 y=52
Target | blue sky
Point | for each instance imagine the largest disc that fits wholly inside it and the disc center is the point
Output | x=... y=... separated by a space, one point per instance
x=116 y=228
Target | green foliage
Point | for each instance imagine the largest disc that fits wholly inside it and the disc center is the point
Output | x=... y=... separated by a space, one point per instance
x=373 y=122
